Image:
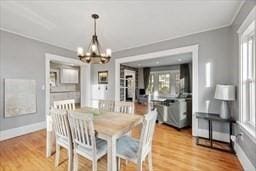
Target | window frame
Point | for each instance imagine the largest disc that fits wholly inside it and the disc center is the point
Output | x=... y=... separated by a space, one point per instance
x=164 y=82
x=244 y=36
x=155 y=86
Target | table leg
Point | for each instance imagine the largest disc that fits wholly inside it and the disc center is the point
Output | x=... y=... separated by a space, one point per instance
x=197 y=140
x=50 y=137
x=211 y=132
x=209 y=129
x=49 y=143
x=230 y=133
x=112 y=154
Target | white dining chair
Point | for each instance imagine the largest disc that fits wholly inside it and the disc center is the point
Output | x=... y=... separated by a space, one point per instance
x=134 y=150
x=124 y=107
x=84 y=140
x=106 y=105
x=62 y=134
x=65 y=104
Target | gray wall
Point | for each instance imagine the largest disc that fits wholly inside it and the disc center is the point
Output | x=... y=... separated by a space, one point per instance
x=140 y=78
x=246 y=143
x=111 y=70
x=24 y=58
x=214 y=47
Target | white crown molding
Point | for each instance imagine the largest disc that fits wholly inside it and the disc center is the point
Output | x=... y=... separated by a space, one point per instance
x=247 y=21
x=172 y=38
x=14 y=132
x=128 y=48
x=237 y=12
x=36 y=39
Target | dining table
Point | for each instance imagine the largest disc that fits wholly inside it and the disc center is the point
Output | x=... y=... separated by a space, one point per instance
x=109 y=126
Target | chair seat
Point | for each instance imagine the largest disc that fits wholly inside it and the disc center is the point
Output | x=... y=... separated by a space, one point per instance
x=101 y=149
x=127 y=148
x=63 y=142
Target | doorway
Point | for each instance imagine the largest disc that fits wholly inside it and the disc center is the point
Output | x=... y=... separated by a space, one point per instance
x=129 y=92
x=193 y=49
x=84 y=84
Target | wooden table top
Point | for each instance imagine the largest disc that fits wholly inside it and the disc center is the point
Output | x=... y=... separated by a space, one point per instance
x=112 y=123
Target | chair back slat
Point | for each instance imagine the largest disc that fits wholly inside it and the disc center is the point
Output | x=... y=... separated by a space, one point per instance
x=65 y=104
x=106 y=105
x=124 y=107
x=82 y=129
x=147 y=133
x=60 y=123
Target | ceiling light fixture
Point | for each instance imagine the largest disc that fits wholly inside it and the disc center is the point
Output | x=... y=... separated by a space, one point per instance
x=94 y=53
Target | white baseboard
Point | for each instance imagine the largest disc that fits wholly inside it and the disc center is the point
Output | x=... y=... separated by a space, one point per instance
x=14 y=132
x=216 y=135
x=245 y=162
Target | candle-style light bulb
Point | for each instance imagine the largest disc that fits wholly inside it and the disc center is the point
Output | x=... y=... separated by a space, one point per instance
x=80 y=51
x=94 y=48
x=108 y=52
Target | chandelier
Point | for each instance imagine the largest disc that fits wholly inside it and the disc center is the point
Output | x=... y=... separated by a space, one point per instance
x=94 y=53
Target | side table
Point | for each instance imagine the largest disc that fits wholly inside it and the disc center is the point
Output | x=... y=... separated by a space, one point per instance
x=210 y=117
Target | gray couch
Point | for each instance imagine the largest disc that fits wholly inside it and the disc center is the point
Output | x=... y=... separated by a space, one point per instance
x=176 y=112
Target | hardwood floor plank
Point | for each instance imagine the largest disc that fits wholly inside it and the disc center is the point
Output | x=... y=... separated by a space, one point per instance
x=172 y=150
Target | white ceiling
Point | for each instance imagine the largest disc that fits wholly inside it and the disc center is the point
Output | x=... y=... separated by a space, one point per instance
x=122 y=24
x=164 y=61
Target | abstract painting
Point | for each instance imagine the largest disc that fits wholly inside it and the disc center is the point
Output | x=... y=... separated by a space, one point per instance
x=20 y=97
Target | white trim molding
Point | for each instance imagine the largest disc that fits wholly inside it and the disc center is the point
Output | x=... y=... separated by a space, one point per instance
x=241 y=31
x=247 y=131
x=85 y=68
x=85 y=83
x=14 y=132
x=245 y=162
x=159 y=54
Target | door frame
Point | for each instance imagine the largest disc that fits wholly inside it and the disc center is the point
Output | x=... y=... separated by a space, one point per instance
x=158 y=54
x=85 y=87
x=133 y=74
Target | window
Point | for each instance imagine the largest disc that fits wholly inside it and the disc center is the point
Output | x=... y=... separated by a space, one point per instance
x=247 y=77
x=164 y=83
x=151 y=84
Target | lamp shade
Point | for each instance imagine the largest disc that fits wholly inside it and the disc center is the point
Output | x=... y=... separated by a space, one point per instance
x=225 y=92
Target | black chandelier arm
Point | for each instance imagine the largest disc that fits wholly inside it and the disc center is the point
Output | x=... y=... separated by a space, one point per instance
x=99 y=47
x=89 y=47
x=94 y=26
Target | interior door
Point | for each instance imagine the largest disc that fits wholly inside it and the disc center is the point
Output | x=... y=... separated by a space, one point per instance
x=129 y=81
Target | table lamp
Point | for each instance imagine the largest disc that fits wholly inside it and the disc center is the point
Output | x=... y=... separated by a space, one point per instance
x=225 y=93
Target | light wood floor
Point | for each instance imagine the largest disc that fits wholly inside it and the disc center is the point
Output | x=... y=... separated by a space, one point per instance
x=172 y=151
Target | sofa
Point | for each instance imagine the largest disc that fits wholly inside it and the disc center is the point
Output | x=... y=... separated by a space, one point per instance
x=175 y=112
